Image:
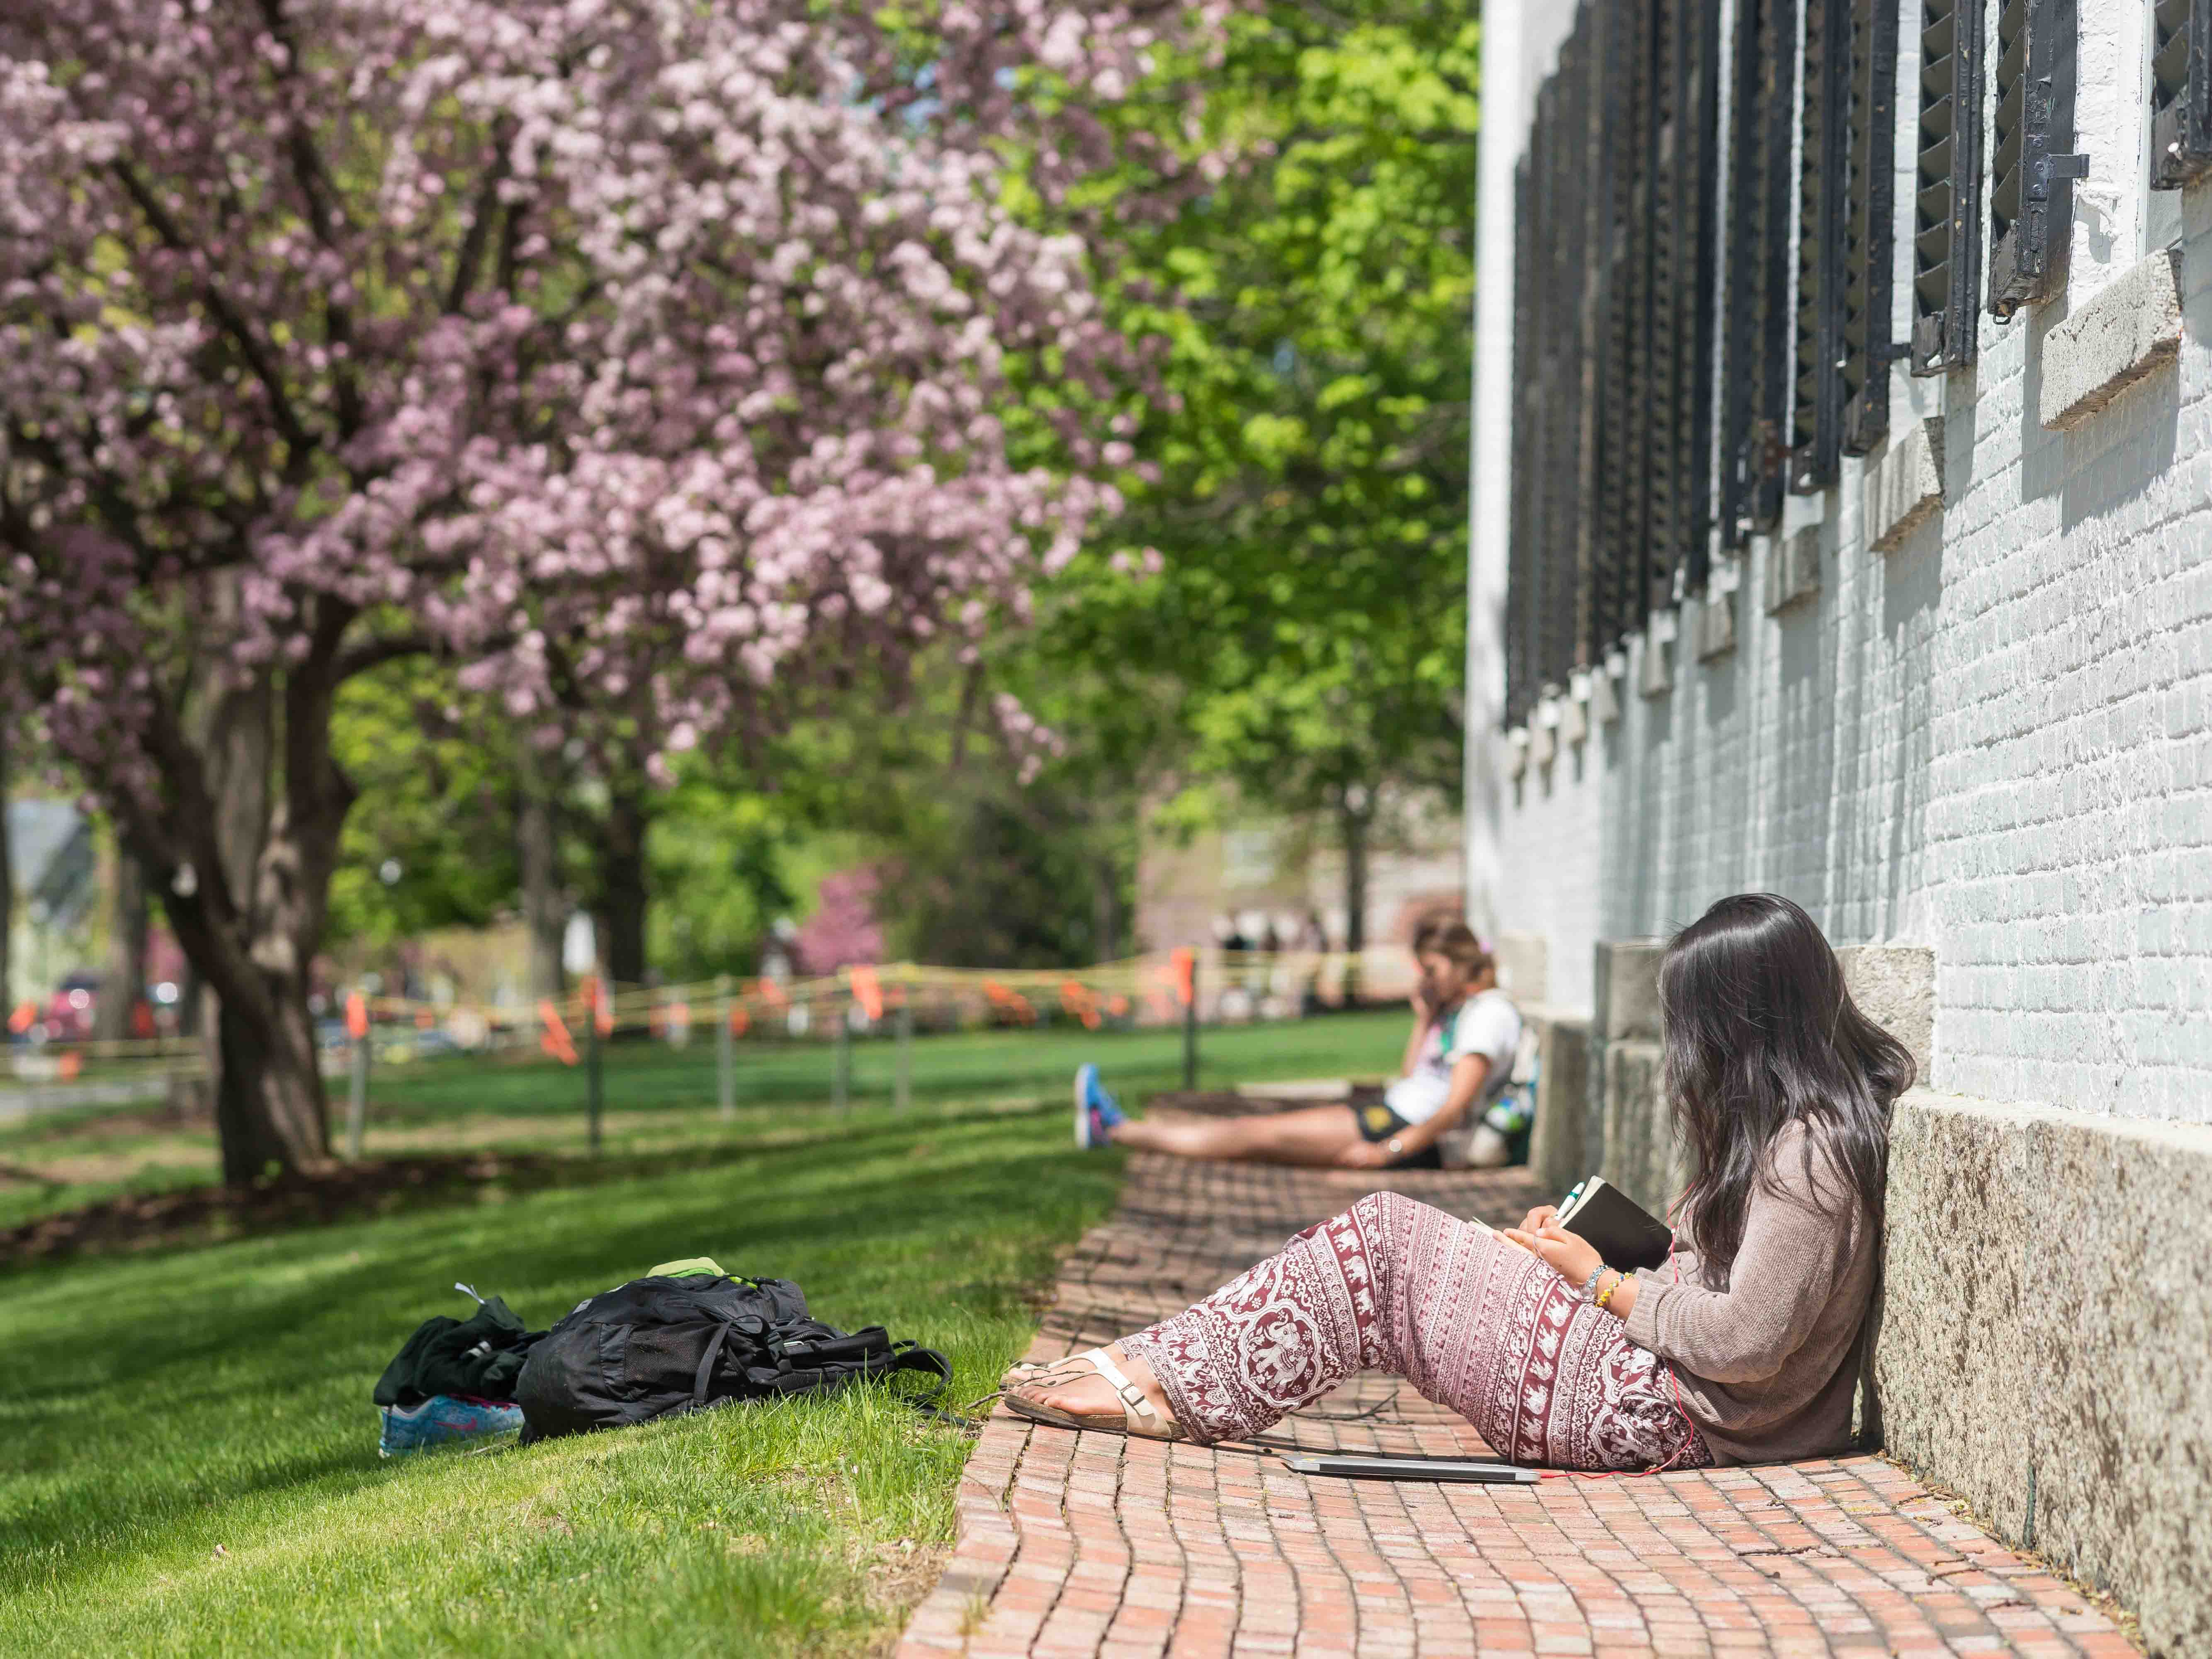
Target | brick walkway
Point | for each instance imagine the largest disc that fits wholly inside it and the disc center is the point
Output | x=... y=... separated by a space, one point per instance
x=1091 y=1544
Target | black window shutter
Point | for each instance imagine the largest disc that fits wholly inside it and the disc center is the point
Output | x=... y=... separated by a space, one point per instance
x=1584 y=61
x=1521 y=560
x=1641 y=310
x=1816 y=398
x=1624 y=36
x=1689 y=138
x=2030 y=172
x=1561 y=288
x=1870 y=235
x=1755 y=372
x=1947 y=216
x=2181 y=93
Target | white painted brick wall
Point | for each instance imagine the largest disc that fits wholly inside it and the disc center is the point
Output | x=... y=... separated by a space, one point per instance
x=1995 y=740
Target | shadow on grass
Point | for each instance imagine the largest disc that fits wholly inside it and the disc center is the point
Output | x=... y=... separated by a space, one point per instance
x=139 y=1397
x=399 y=1185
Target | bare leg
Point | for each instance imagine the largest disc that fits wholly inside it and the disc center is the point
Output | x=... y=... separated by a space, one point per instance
x=1313 y=1136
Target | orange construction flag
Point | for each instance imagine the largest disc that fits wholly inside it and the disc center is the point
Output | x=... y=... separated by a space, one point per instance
x=555 y=1040
x=356 y=1015
x=1186 y=975
x=1076 y=998
x=599 y=1004
x=739 y=1019
x=867 y=990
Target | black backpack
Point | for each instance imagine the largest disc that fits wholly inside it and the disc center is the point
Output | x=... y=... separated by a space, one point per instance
x=655 y=1347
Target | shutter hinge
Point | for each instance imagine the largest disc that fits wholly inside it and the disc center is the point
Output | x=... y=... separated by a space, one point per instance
x=2050 y=169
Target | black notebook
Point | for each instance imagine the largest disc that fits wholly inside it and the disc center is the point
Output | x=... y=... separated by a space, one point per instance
x=1626 y=1234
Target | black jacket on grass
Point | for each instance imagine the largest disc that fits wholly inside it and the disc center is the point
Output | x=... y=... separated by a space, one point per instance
x=480 y=1355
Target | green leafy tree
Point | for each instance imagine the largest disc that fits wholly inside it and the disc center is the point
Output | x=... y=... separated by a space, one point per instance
x=1281 y=603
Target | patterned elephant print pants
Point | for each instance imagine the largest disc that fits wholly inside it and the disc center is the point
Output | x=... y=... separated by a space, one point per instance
x=1475 y=1323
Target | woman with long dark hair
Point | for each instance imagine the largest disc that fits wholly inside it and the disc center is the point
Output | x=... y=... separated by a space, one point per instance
x=1738 y=1350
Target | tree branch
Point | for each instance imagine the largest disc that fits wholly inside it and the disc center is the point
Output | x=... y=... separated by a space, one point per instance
x=299 y=442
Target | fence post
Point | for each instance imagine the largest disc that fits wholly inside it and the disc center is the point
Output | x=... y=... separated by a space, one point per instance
x=902 y=1095
x=725 y=1050
x=841 y=1080
x=357 y=1096
x=1187 y=985
x=592 y=1099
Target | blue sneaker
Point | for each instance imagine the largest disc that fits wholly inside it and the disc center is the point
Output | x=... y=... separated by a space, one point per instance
x=1097 y=1111
x=441 y=1418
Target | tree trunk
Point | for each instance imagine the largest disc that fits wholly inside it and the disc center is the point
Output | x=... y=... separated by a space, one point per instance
x=271 y=1112
x=622 y=886
x=1353 y=826
x=544 y=915
x=124 y=980
x=1106 y=909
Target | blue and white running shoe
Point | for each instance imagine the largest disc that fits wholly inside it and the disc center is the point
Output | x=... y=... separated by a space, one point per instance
x=1097 y=1111
x=443 y=1417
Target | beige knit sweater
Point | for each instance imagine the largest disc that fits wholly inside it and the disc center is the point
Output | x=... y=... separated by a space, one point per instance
x=1765 y=1358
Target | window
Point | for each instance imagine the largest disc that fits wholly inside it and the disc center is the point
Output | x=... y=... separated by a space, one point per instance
x=2031 y=195
x=1631 y=119
x=1614 y=261
x=2181 y=93
x=1685 y=208
x=1947 y=212
x=1755 y=377
x=1521 y=566
x=1816 y=402
x=1869 y=236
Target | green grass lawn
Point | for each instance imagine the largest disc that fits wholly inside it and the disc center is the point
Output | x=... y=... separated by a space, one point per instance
x=187 y=1448
x=60 y=1160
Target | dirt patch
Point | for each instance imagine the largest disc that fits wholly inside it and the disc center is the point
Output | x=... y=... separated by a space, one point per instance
x=201 y=1214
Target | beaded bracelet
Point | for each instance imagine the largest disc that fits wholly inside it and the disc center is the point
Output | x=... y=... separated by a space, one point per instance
x=1606 y=1295
x=1590 y=1284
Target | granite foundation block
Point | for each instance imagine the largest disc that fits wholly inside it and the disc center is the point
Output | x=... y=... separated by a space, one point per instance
x=2045 y=1341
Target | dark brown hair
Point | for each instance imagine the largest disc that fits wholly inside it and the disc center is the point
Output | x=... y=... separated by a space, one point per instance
x=1447 y=937
x=1760 y=1034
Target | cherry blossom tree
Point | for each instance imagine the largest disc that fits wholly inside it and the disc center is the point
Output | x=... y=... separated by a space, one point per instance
x=644 y=359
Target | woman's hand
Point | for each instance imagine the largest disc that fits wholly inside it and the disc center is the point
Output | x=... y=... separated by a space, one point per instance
x=1538 y=1216
x=1571 y=1256
x=1363 y=1155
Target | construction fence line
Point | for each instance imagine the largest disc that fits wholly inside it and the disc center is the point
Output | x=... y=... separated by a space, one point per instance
x=1157 y=988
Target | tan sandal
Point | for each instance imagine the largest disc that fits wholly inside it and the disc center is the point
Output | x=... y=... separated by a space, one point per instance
x=1138 y=1417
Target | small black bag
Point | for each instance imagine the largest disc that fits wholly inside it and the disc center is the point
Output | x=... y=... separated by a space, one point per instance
x=655 y=1347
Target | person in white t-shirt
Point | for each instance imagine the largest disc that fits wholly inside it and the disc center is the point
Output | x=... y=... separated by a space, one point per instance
x=1459 y=1060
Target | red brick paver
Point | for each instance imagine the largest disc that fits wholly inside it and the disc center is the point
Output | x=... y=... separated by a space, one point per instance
x=1078 y=1545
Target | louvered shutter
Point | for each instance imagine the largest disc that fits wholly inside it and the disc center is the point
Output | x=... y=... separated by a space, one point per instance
x=1521 y=561
x=1755 y=371
x=1585 y=116
x=1816 y=401
x=1684 y=206
x=1624 y=36
x=2031 y=191
x=2181 y=92
x=1947 y=214
x=1641 y=315
x=1558 y=211
x=1868 y=227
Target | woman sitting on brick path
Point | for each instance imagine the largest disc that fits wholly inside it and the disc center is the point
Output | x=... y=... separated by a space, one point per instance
x=1740 y=1349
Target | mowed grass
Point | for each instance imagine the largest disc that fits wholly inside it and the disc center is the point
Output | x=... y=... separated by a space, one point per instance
x=61 y=1160
x=187 y=1448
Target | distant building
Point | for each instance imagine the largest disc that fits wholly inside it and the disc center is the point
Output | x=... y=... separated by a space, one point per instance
x=53 y=861
x=1843 y=528
x=1256 y=871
